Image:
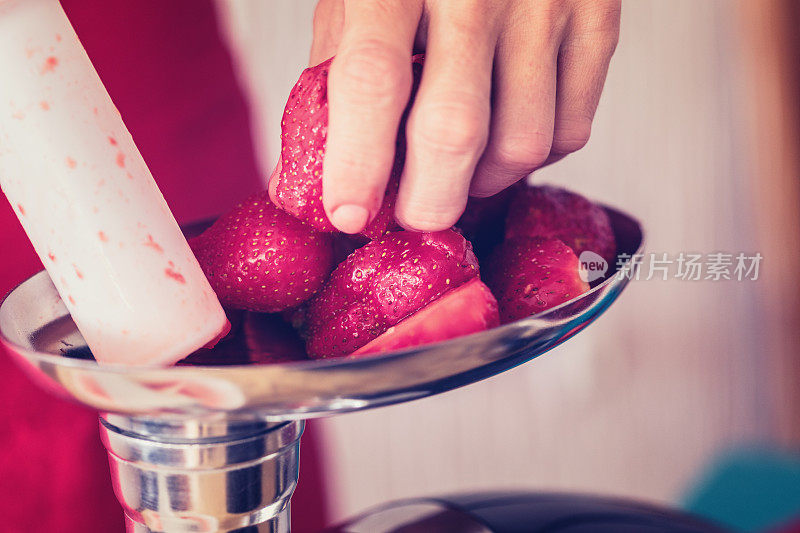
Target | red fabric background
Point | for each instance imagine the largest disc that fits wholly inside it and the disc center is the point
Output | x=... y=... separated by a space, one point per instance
x=172 y=79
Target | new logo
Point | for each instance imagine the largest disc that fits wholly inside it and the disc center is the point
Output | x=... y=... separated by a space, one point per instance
x=592 y=266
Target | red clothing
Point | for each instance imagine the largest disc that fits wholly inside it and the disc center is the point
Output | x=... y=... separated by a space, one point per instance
x=172 y=79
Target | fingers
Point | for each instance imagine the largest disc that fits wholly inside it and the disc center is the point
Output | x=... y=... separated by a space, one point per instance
x=582 y=66
x=368 y=89
x=550 y=63
x=448 y=124
x=549 y=76
x=524 y=103
x=328 y=24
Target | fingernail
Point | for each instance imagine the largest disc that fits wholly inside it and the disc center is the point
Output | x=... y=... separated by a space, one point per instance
x=350 y=218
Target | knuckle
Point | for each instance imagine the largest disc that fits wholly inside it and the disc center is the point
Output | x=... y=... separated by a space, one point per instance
x=371 y=69
x=450 y=127
x=599 y=22
x=608 y=45
x=522 y=154
x=605 y=41
x=572 y=136
x=551 y=19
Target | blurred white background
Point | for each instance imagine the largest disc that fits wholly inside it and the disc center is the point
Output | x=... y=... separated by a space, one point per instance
x=673 y=374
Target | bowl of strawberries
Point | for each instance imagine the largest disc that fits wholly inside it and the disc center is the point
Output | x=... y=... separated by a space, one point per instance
x=323 y=321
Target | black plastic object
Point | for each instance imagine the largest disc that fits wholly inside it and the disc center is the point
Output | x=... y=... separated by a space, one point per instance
x=523 y=512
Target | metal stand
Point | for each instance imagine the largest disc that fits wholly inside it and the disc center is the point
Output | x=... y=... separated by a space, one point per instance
x=207 y=449
x=202 y=475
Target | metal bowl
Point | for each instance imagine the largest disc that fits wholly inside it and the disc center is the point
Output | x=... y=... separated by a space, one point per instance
x=35 y=326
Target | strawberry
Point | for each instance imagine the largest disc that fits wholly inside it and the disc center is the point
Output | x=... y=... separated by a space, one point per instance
x=259 y=258
x=296 y=186
x=304 y=130
x=468 y=309
x=554 y=213
x=529 y=275
x=382 y=283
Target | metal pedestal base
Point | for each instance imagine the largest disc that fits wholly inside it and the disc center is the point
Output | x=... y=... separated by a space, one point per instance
x=202 y=475
x=279 y=524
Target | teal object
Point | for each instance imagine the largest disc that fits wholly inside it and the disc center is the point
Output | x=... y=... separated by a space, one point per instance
x=749 y=490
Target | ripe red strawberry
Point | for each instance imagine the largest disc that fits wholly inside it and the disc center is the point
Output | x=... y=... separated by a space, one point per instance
x=468 y=309
x=297 y=186
x=529 y=275
x=259 y=258
x=555 y=213
x=382 y=283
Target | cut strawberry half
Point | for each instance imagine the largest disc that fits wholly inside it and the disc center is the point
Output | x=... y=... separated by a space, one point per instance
x=381 y=284
x=531 y=275
x=468 y=309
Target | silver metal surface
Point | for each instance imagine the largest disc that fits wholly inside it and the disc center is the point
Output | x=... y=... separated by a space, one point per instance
x=278 y=524
x=169 y=480
x=35 y=326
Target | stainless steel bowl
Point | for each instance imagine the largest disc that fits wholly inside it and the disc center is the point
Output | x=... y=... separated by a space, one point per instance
x=36 y=327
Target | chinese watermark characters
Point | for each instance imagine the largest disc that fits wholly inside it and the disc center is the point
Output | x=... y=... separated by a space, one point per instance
x=715 y=266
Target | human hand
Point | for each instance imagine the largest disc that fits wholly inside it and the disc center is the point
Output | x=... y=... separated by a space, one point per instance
x=508 y=86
